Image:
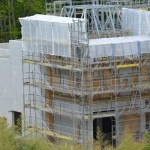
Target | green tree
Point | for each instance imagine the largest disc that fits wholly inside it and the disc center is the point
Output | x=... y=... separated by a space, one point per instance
x=11 y=10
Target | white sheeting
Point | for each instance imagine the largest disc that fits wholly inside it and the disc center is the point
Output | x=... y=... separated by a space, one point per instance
x=48 y=34
x=50 y=18
x=137 y=22
x=119 y=46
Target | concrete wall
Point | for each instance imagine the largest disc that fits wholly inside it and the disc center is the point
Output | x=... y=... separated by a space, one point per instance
x=11 y=85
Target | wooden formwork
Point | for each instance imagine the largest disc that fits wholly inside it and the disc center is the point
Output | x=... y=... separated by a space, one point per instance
x=131 y=122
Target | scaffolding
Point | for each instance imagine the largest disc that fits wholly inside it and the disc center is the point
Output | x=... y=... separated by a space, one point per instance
x=64 y=92
x=102 y=20
x=56 y=6
x=55 y=87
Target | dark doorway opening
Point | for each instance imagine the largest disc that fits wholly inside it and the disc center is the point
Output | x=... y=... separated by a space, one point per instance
x=17 y=120
x=105 y=125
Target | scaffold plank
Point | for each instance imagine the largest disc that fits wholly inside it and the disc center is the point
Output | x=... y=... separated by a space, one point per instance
x=42 y=63
x=127 y=66
x=51 y=133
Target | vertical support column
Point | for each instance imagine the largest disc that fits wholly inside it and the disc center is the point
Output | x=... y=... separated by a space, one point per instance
x=117 y=130
x=143 y=118
x=88 y=111
x=143 y=124
x=24 y=103
x=116 y=104
x=143 y=79
x=87 y=133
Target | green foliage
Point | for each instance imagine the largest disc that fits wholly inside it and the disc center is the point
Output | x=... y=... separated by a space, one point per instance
x=147 y=145
x=10 y=139
x=128 y=142
x=7 y=136
x=33 y=144
x=100 y=143
x=11 y=10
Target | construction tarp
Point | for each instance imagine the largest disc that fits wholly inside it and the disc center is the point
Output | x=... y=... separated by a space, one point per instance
x=137 y=22
x=132 y=46
x=49 y=34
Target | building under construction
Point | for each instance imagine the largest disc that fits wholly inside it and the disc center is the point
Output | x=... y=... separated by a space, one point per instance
x=86 y=69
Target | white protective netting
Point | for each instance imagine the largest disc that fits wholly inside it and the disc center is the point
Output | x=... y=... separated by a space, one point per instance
x=132 y=46
x=48 y=34
x=137 y=22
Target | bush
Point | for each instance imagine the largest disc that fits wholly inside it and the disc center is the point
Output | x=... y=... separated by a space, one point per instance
x=128 y=142
x=100 y=144
x=7 y=136
x=10 y=139
x=147 y=145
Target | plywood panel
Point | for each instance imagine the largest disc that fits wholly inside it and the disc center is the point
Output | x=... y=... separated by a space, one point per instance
x=130 y=121
x=49 y=98
x=50 y=122
x=96 y=84
x=144 y=70
x=145 y=91
x=49 y=117
x=107 y=74
x=145 y=79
